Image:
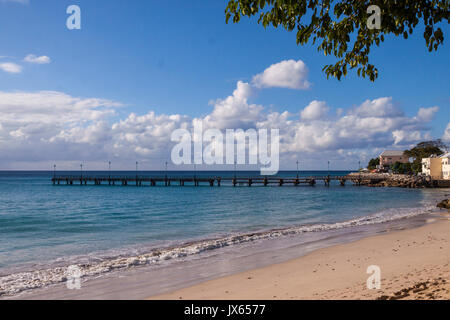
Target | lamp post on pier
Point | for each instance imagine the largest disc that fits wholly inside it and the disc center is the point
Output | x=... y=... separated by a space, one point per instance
x=81 y=171
x=166 y=169
x=195 y=175
x=137 y=171
x=360 y=169
x=109 y=170
x=54 y=171
x=297 y=169
x=165 y=174
x=328 y=168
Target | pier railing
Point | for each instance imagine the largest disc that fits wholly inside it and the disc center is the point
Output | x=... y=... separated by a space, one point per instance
x=359 y=179
x=197 y=181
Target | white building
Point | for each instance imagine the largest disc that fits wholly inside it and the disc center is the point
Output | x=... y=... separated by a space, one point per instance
x=437 y=167
x=445 y=160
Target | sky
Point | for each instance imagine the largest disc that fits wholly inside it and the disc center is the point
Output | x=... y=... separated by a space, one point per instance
x=137 y=70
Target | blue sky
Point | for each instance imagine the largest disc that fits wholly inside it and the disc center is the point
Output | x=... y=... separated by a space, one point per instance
x=179 y=57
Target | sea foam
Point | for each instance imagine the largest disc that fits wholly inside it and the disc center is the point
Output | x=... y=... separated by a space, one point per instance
x=15 y=283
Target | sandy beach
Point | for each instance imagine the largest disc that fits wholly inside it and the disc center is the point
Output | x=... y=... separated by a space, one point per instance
x=414 y=264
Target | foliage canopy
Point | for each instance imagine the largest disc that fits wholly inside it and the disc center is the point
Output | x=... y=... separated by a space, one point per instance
x=373 y=163
x=339 y=27
x=425 y=150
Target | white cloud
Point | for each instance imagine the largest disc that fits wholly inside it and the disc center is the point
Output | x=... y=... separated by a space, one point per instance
x=409 y=136
x=446 y=136
x=54 y=126
x=285 y=74
x=234 y=111
x=380 y=108
x=147 y=135
x=17 y=1
x=33 y=122
x=10 y=67
x=31 y=58
x=315 y=110
x=51 y=107
x=350 y=130
x=427 y=114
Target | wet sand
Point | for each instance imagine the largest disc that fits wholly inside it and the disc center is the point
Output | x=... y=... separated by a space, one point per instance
x=414 y=264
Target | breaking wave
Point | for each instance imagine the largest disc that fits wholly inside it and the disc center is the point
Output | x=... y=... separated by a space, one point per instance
x=15 y=283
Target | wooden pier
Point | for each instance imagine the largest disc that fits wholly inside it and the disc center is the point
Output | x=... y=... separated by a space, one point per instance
x=198 y=181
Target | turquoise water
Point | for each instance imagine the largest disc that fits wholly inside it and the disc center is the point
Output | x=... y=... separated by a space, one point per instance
x=41 y=223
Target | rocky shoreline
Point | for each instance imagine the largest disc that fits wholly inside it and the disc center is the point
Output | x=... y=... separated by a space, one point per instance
x=391 y=180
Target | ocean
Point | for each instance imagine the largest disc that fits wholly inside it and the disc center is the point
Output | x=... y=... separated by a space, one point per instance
x=105 y=228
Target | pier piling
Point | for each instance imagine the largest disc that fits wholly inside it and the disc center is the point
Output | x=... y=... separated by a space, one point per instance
x=197 y=181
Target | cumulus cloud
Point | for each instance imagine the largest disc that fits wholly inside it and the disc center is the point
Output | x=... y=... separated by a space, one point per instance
x=33 y=122
x=147 y=135
x=55 y=126
x=349 y=130
x=234 y=111
x=31 y=58
x=446 y=136
x=285 y=74
x=51 y=107
x=315 y=110
x=11 y=67
x=427 y=114
x=380 y=108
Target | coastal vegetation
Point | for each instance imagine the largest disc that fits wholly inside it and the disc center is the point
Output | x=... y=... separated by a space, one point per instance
x=373 y=163
x=402 y=168
x=423 y=150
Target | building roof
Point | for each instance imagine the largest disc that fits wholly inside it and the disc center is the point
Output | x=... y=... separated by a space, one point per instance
x=446 y=155
x=392 y=153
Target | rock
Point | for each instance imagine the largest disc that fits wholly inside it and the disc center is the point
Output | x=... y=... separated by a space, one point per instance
x=445 y=204
x=392 y=180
